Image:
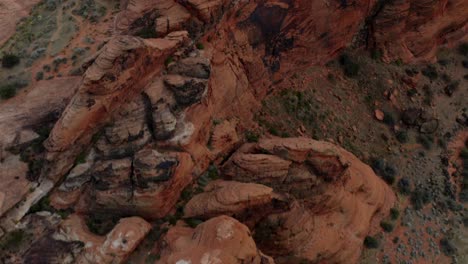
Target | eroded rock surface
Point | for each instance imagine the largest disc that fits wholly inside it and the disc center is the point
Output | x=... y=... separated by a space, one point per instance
x=112 y=248
x=219 y=240
x=412 y=29
x=225 y=197
x=335 y=197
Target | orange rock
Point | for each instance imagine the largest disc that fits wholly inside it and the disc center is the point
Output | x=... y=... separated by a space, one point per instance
x=227 y=197
x=334 y=197
x=113 y=248
x=218 y=240
x=379 y=115
x=412 y=29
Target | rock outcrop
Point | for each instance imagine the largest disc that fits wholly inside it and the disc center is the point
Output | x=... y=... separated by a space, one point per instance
x=227 y=198
x=113 y=248
x=413 y=29
x=335 y=197
x=218 y=240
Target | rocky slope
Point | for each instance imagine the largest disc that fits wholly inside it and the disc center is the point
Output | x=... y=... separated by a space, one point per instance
x=170 y=92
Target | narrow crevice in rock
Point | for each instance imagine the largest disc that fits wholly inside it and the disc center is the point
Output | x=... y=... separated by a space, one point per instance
x=149 y=114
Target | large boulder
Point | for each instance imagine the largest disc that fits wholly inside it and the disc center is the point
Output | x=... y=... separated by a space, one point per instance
x=115 y=247
x=334 y=197
x=219 y=240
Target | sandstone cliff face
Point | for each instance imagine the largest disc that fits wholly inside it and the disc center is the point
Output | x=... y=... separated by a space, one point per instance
x=113 y=248
x=412 y=30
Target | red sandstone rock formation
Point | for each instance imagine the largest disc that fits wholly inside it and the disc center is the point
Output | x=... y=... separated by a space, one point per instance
x=334 y=197
x=414 y=29
x=153 y=117
x=218 y=240
x=224 y=197
x=113 y=248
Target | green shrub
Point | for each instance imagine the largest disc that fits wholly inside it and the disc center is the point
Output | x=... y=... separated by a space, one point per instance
x=389 y=119
x=376 y=54
x=168 y=61
x=384 y=170
x=193 y=222
x=404 y=186
x=430 y=72
x=463 y=49
x=200 y=46
x=39 y=76
x=447 y=247
x=420 y=197
x=402 y=136
x=13 y=239
x=251 y=136
x=426 y=141
x=350 y=68
x=81 y=158
x=147 y=32
x=10 y=60
x=7 y=91
x=371 y=242
x=386 y=226
x=394 y=214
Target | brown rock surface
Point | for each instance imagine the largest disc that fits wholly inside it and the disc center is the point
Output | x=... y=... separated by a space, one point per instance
x=336 y=197
x=148 y=186
x=113 y=248
x=413 y=29
x=218 y=240
x=226 y=197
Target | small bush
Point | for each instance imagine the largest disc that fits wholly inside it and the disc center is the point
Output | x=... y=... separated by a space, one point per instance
x=386 y=226
x=371 y=242
x=251 y=136
x=12 y=240
x=447 y=247
x=376 y=54
x=193 y=222
x=168 y=61
x=200 y=46
x=350 y=68
x=463 y=49
x=389 y=119
x=81 y=158
x=426 y=141
x=384 y=170
x=394 y=214
x=430 y=72
x=465 y=64
x=10 y=60
x=420 y=197
x=7 y=91
x=404 y=186
x=39 y=76
x=402 y=136
x=147 y=32
x=464 y=153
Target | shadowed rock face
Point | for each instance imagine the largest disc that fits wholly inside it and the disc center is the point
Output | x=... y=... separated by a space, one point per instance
x=219 y=240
